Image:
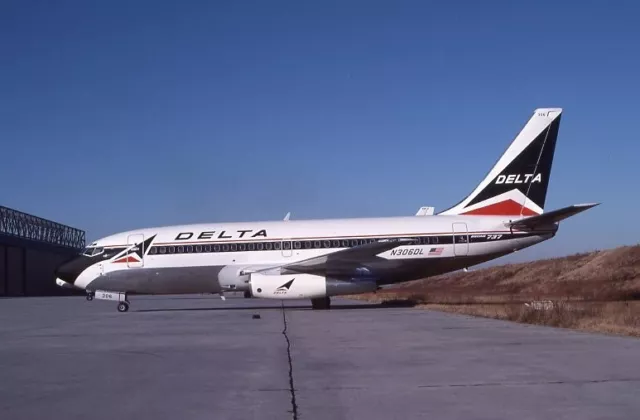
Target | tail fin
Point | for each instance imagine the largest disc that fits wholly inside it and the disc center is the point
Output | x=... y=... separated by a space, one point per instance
x=517 y=184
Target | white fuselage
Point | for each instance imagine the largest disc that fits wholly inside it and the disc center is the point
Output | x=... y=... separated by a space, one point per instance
x=213 y=257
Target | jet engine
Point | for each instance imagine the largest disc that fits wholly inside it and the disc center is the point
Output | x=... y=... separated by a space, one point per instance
x=305 y=286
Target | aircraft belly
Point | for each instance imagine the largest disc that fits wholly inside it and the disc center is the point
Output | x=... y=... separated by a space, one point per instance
x=423 y=268
x=161 y=280
x=408 y=269
x=508 y=245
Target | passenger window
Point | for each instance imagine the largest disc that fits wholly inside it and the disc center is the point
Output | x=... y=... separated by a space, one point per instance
x=216 y=248
x=434 y=240
x=335 y=243
x=354 y=242
x=172 y=249
x=259 y=246
x=326 y=244
x=163 y=250
x=189 y=248
x=233 y=247
x=316 y=244
x=242 y=247
x=251 y=246
x=225 y=247
x=345 y=243
x=153 y=250
x=198 y=248
x=207 y=248
x=286 y=245
x=307 y=244
x=180 y=249
x=297 y=245
x=276 y=246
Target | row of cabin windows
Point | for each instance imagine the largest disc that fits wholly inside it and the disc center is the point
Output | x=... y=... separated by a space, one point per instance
x=286 y=245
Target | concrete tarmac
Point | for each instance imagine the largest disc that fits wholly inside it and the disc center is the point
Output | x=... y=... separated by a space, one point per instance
x=195 y=357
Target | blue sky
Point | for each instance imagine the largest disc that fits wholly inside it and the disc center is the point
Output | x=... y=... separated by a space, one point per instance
x=116 y=115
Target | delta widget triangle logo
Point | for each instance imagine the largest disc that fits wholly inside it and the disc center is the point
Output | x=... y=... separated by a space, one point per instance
x=135 y=253
x=284 y=288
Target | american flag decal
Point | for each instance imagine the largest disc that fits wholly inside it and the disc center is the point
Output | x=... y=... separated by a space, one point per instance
x=435 y=251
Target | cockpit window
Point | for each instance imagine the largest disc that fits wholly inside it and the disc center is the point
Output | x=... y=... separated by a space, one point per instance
x=92 y=251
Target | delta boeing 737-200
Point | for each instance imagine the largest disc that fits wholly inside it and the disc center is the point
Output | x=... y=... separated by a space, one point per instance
x=317 y=259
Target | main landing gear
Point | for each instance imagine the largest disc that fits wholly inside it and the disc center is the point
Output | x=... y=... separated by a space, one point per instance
x=321 y=303
x=247 y=294
x=120 y=297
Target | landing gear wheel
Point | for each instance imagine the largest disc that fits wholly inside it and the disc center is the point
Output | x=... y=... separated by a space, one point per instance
x=247 y=294
x=123 y=307
x=90 y=296
x=321 y=303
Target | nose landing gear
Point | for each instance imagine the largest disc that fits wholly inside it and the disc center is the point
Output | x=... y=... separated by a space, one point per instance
x=90 y=296
x=120 y=297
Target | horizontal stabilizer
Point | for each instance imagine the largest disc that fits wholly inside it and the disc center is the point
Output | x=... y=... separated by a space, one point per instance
x=551 y=217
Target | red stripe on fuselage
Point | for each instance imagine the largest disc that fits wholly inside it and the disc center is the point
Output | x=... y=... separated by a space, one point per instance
x=503 y=208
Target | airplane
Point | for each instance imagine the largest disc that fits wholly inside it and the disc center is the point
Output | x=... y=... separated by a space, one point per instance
x=318 y=259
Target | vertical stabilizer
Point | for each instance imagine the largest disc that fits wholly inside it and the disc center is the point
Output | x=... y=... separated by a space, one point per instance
x=517 y=184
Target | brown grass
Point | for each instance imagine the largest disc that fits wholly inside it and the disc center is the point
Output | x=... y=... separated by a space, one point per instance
x=594 y=291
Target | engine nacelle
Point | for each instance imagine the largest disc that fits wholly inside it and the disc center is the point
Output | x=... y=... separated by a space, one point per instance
x=305 y=286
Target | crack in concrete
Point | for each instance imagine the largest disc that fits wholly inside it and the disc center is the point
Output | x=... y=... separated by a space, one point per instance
x=292 y=389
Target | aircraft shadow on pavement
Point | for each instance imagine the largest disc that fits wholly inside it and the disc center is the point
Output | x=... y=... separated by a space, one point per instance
x=401 y=304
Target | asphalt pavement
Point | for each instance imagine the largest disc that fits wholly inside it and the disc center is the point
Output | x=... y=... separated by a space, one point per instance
x=197 y=357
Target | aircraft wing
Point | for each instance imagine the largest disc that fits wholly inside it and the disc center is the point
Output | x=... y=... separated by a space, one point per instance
x=551 y=217
x=343 y=262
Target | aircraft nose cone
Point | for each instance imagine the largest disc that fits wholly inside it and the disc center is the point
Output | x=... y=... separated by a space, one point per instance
x=65 y=273
x=70 y=270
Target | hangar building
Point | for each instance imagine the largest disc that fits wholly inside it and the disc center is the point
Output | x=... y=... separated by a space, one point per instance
x=30 y=250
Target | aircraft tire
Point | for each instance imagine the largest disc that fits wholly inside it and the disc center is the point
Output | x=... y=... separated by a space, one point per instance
x=123 y=307
x=321 y=303
x=247 y=294
x=90 y=297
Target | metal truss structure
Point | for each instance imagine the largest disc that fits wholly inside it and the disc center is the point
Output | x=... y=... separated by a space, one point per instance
x=23 y=225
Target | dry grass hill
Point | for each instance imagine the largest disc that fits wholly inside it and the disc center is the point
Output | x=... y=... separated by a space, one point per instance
x=595 y=291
